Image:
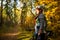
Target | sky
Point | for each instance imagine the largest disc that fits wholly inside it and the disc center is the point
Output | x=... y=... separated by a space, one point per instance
x=0 y=3
x=19 y=3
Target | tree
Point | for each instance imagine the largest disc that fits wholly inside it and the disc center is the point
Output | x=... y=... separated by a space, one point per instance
x=1 y=21
x=7 y=10
x=15 y=11
x=23 y=12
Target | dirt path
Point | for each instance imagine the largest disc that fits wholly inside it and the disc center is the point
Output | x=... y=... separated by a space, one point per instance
x=9 y=36
x=15 y=36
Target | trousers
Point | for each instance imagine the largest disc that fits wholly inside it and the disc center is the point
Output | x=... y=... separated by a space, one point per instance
x=40 y=37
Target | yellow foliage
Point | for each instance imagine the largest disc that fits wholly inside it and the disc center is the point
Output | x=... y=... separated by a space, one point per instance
x=4 y=14
x=53 y=10
x=51 y=5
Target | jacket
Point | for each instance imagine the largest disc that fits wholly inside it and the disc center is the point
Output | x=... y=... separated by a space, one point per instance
x=41 y=22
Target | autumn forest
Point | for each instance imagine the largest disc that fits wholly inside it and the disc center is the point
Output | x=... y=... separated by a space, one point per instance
x=17 y=18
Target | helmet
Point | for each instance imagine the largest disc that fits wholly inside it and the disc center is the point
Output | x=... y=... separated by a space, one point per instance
x=39 y=7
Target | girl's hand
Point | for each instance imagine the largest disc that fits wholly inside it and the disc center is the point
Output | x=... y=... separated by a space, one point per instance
x=39 y=32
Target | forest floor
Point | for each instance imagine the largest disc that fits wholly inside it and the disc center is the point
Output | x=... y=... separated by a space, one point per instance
x=19 y=36
x=15 y=34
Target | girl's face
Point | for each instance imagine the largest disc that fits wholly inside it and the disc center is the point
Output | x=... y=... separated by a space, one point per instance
x=37 y=11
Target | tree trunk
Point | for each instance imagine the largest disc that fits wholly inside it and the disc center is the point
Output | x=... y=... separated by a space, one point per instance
x=1 y=22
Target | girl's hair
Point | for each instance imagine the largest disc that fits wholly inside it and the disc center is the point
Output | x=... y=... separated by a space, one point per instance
x=39 y=9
